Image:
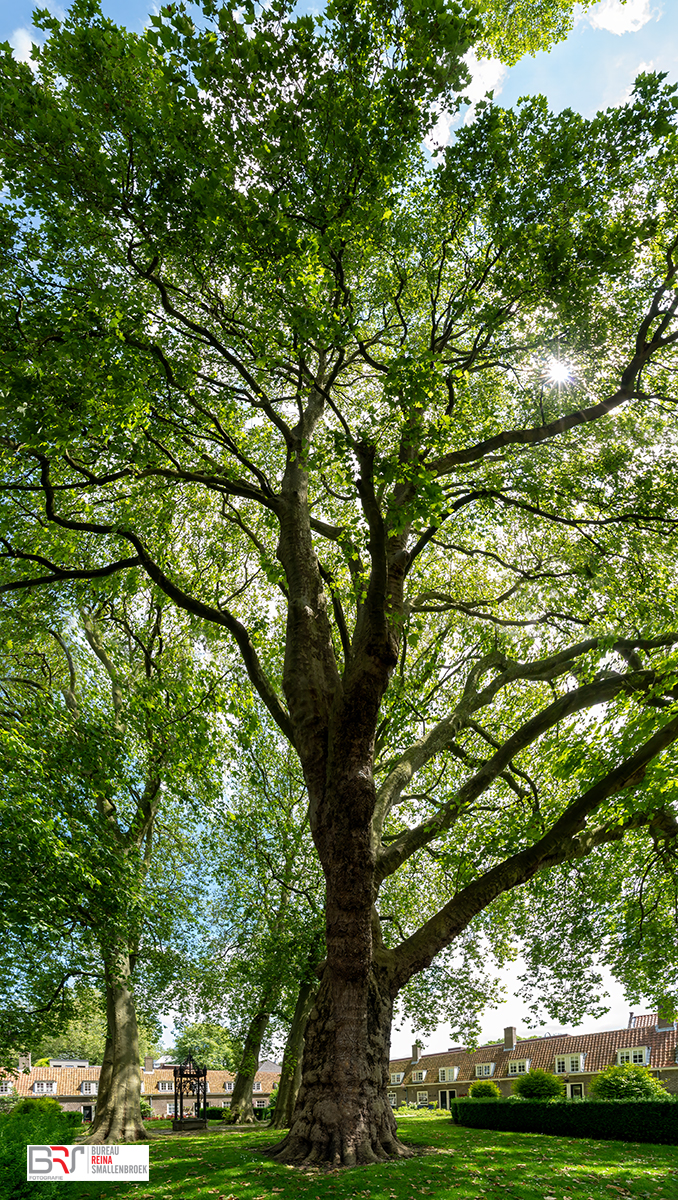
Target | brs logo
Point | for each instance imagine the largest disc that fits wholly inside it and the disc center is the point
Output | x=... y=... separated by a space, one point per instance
x=54 y=1162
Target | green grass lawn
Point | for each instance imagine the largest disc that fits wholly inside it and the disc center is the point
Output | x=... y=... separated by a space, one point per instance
x=467 y=1164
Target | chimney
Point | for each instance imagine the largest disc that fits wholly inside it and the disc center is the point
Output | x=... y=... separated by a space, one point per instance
x=632 y=1021
x=24 y=1062
x=416 y=1054
x=148 y=1063
x=510 y=1037
x=664 y=1021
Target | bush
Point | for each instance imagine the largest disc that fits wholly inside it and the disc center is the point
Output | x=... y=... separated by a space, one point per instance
x=539 y=1085
x=628 y=1083
x=30 y=1121
x=624 y=1121
x=484 y=1089
x=215 y=1114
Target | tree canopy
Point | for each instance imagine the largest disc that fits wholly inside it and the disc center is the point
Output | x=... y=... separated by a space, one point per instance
x=399 y=428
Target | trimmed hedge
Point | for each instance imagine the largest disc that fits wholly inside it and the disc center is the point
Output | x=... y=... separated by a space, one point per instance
x=620 y=1120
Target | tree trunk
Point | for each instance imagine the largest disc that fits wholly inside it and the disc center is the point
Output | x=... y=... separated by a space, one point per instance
x=290 y=1074
x=118 y=1112
x=343 y=1116
x=242 y=1109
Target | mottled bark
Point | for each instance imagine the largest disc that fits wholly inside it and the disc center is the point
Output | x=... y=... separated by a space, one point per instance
x=290 y=1072
x=242 y=1110
x=343 y=1116
x=118 y=1111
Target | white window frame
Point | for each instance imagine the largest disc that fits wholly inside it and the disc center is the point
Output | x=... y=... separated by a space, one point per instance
x=396 y=1076
x=6 y=1087
x=635 y=1056
x=256 y=1086
x=228 y=1085
x=422 y=1097
x=165 y=1085
x=170 y=1110
x=569 y=1087
x=392 y=1099
x=569 y=1064
x=89 y=1087
x=484 y=1070
x=260 y=1103
x=418 y=1076
x=44 y=1087
x=447 y=1074
x=518 y=1066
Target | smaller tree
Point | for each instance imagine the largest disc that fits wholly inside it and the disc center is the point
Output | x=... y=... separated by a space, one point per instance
x=484 y=1089
x=210 y=1045
x=627 y=1082
x=539 y=1085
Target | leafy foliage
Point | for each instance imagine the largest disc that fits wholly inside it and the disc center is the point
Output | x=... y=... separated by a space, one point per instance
x=485 y=1089
x=539 y=1085
x=627 y=1081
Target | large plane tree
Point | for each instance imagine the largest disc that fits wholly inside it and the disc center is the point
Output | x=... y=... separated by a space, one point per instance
x=399 y=424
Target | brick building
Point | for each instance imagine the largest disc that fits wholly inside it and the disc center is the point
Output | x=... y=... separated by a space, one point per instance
x=435 y=1079
x=75 y=1084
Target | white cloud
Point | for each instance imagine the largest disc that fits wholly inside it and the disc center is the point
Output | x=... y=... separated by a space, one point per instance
x=621 y=18
x=21 y=42
x=487 y=75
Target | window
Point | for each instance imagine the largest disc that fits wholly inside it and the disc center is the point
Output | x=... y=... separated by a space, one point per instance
x=569 y=1062
x=165 y=1086
x=396 y=1077
x=228 y=1086
x=519 y=1066
x=44 y=1087
x=256 y=1086
x=422 y=1097
x=260 y=1104
x=484 y=1069
x=418 y=1076
x=90 y=1087
x=636 y=1055
x=447 y=1074
x=393 y=1099
x=5 y=1087
x=170 y=1110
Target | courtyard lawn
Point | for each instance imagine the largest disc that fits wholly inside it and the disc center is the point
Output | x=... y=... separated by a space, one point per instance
x=466 y=1164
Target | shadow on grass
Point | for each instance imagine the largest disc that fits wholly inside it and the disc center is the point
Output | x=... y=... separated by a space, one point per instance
x=463 y=1164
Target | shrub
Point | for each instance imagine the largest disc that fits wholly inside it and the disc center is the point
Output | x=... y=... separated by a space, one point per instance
x=627 y=1082
x=146 y=1109
x=215 y=1114
x=624 y=1121
x=30 y=1122
x=484 y=1089
x=539 y=1085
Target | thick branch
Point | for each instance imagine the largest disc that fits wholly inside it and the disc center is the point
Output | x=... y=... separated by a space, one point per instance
x=566 y=839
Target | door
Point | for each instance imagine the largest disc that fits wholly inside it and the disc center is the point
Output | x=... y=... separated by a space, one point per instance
x=576 y=1091
x=444 y=1098
x=87 y=1112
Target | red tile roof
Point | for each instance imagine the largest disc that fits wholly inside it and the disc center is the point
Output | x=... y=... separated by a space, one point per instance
x=68 y=1080
x=600 y=1050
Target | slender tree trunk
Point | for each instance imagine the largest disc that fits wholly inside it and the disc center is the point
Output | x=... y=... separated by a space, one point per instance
x=242 y=1110
x=118 y=1112
x=290 y=1074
